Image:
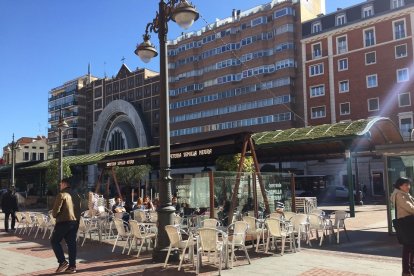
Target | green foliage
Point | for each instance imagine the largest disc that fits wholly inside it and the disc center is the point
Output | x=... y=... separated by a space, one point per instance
x=231 y=162
x=52 y=174
x=130 y=176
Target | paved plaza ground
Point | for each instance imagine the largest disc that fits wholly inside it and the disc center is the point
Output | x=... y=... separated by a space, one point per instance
x=370 y=251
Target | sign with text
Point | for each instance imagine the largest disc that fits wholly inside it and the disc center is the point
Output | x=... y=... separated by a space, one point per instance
x=191 y=153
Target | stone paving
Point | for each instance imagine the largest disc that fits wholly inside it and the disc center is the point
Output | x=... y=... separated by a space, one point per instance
x=370 y=251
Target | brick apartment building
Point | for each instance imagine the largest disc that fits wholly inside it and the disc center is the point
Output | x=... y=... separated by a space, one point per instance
x=358 y=64
x=239 y=74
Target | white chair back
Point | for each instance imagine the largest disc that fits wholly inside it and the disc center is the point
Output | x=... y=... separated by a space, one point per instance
x=135 y=229
x=119 y=225
x=208 y=239
x=315 y=221
x=317 y=212
x=251 y=221
x=274 y=227
x=298 y=221
x=288 y=215
x=210 y=223
x=239 y=232
x=173 y=234
x=340 y=217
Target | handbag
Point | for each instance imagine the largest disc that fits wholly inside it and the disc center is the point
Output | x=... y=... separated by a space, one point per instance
x=404 y=227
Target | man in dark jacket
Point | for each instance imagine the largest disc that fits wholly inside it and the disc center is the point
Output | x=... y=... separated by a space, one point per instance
x=66 y=210
x=9 y=207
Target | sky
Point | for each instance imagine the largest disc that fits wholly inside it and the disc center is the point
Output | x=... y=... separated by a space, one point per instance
x=45 y=43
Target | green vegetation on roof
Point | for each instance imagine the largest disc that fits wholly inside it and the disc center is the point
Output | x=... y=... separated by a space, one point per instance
x=327 y=131
x=87 y=159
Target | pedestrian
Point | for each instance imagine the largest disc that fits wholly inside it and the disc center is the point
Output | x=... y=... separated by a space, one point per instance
x=404 y=205
x=9 y=208
x=66 y=210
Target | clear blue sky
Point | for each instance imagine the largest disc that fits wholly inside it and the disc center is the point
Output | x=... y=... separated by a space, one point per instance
x=45 y=43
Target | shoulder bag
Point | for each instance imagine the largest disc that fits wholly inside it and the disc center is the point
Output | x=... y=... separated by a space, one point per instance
x=404 y=227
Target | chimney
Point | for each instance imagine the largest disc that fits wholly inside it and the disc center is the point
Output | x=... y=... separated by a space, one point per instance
x=238 y=14
x=233 y=13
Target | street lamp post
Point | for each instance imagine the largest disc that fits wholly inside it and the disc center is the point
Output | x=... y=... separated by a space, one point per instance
x=13 y=149
x=62 y=126
x=184 y=14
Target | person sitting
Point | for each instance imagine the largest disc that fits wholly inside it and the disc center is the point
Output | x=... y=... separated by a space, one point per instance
x=156 y=203
x=139 y=205
x=118 y=208
x=148 y=204
x=175 y=204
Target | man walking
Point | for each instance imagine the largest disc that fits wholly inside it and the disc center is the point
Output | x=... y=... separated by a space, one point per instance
x=66 y=210
x=9 y=207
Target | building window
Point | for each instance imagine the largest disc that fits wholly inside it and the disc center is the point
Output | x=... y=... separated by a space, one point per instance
x=316 y=69
x=41 y=156
x=367 y=11
x=34 y=155
x=25 y=156
x=316 y=27
x=406 y=125
x=345 y=108
x=316 y=50
x=372 y=81
x=401 y=51
x=373 y=104
x=343 y=64
x=369 y=37
x=317 y=91
x=402 y=75
x=343 y=86
x=340 y=19
x=318 y=112
x=399 y=29
x=397 y=4
x=370 y=58
x=404 y=99
x=342 y=45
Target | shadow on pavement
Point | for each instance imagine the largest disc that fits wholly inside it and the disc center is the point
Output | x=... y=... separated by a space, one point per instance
x=363 y=242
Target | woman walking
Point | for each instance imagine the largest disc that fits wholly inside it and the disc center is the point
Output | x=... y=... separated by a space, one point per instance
x=404 y=205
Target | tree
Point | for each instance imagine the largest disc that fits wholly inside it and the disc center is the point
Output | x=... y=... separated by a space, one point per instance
x=131 y=175
x=52 y=174
x=231 y=162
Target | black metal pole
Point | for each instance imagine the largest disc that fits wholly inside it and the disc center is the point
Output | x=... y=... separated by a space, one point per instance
x=350 y=183
x=165 y=212
x=13 y=152
x=60 y=152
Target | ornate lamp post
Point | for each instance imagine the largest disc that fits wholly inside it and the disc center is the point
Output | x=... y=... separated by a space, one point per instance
x=184 y=14
x=14 y=146
x=62 y=126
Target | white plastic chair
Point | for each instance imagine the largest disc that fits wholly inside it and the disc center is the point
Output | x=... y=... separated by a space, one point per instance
x=210 y=223
x=256 y=233
x=339 y=223
x=275 y=215
x=21 y=221
x=140 y=216
x=317 y=223
x=275 y=232
x=288 y=215
x=30 y=223
x=176 y=242
x=42 y=224
x=317 y=212
x=209 y=243
x=141 y=233
x=300 y=224
x=85 y=227
x=52 y=222
x=122 y=233
x=237 y=238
